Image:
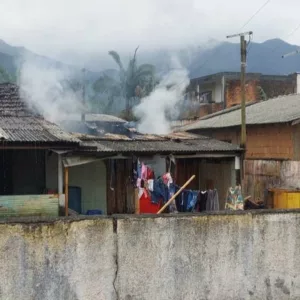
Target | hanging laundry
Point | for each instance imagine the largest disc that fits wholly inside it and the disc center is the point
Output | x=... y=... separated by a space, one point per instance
x=172 y=206
x=143 y=171
x=160 y=191
x=146 y=205
x=212 y=203
x=139 y=169
x=235 y=200
x=202 y=199
x=150 y=185
x=192 y=199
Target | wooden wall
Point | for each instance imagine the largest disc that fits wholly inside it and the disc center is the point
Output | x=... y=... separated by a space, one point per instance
x=274 y=141
x=119 y=188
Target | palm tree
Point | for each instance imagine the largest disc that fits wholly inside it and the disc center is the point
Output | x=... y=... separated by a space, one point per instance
x=135 y=82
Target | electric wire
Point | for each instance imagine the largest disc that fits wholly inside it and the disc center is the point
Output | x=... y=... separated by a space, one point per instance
x=218 y=49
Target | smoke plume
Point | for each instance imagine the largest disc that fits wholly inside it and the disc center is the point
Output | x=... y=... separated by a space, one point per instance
x=48 y=90
x=156 y=110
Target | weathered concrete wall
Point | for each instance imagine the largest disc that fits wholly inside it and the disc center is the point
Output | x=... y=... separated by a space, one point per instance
x=60 y=260
x=226 y=256
x=210 y=257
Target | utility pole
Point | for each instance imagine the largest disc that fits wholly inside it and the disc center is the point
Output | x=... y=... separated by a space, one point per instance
x=83 y=95
x=243 y=83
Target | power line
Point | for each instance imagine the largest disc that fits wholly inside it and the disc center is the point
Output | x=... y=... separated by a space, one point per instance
x=256 y=13
x=248 y=21
x=276 y=47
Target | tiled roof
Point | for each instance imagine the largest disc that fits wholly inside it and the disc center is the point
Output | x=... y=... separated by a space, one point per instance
x=282 y=109
x=19 y=123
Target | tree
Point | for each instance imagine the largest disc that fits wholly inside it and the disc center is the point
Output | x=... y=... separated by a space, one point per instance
x=6 y=77
x=132 y=84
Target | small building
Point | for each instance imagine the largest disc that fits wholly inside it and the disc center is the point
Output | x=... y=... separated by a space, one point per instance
x=102 y=167
x=44 y=167
x=27 y=141
x=272 y=155
x=215 y=92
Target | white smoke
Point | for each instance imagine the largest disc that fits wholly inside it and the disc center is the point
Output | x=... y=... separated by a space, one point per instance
x=154 y=110
x=44 y=88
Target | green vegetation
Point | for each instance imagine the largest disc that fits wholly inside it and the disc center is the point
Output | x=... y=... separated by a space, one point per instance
x=132 y=84
x=6 y=77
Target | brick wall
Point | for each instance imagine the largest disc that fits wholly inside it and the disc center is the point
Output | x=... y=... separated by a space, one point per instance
x=263 y=142
x=274 y=88
x=271 y=88
x=233 y=92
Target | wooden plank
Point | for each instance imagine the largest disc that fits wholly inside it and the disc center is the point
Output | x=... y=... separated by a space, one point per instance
x=137 y=201
x=66 y=191
x=29 y=205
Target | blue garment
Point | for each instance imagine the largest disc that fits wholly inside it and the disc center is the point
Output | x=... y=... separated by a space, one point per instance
x=139 y=169
x=186 y=200
x=160 y=191
x=192 y=200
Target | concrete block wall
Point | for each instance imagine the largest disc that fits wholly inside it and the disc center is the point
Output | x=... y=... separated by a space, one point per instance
x=248 y=255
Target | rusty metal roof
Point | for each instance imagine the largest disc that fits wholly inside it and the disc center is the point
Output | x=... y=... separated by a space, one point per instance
x=19 y=123
x=181 y=142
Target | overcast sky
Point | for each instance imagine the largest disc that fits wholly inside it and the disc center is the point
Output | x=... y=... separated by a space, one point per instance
x=63 y=28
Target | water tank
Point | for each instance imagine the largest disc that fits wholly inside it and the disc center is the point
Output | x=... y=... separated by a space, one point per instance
x=75 y=198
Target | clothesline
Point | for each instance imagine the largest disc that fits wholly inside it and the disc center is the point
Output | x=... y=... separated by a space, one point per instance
x=154 y=192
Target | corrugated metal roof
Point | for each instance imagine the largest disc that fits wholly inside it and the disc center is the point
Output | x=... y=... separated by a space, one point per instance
x=277 y=110
x=32 y=129
x=171 y=146
x=174 y=143
x=94 y=118
x=135 y=136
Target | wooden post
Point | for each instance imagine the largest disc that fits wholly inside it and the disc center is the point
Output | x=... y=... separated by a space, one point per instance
x=137 y=201
x=66 y=191
x=175 y=195
x=243 y=85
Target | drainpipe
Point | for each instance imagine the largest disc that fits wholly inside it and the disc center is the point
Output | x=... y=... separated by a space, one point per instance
x=83 y=95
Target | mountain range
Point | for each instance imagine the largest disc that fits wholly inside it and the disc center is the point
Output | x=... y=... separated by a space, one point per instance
x=265 y=58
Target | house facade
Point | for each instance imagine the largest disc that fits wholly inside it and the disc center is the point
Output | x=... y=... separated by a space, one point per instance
x=212 y=93
x=46 y=170
x=102 y=167
x=272 y=154
x=27 y=142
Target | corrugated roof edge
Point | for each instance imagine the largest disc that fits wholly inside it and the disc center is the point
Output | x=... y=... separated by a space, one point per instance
x=225 y=111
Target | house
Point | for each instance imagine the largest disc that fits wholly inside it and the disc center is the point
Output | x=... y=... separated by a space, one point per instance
x=101 y=168
x=212 y=93
x=272 y=154
x=27 y=141
x=44 y=167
